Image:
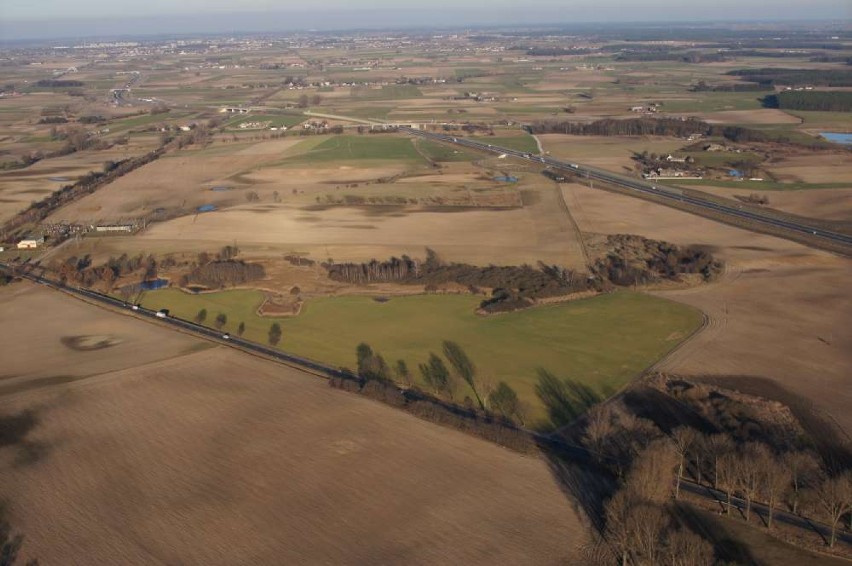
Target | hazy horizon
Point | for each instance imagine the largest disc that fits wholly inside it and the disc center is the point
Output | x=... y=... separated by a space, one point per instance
x=54 y=19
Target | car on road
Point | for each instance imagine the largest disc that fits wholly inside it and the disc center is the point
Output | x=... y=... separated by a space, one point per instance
x=162 y=313
x=226 y=336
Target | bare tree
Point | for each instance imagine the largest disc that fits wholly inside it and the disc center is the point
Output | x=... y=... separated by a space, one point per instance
x=803 y=466
x=833 y=499
x=650 y=477
x=683 y=439
x=619 y=524
x=221 y=320
x=685 y=548
x=774 y=482
x=748 y=472
x=717 y=446
x=599 y=427
x=650 y=522
x=241 y=329
x=201 y=316
x=726 y=476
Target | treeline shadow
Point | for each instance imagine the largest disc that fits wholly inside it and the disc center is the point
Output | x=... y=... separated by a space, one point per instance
x=14 y=432
x=585 y=484
x=703 y=523
x=565 y=399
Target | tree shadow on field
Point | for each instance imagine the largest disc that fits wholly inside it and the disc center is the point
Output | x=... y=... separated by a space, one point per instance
x=14 y=430
x=712 y=529
x=565 y=399
x=10 y=543
x=583 y=482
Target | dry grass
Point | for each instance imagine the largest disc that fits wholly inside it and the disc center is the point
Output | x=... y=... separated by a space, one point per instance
x=539 y=231
x=825 y=204
x=780 y=312
x=221 y=458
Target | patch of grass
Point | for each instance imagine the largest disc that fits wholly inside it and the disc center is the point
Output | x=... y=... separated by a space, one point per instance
x=387 y=92
x=602 y=341
x=444 y=152
x=723 y=158
x=367 y=146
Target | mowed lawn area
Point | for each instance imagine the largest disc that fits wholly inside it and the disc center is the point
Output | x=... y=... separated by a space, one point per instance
x=602 y=341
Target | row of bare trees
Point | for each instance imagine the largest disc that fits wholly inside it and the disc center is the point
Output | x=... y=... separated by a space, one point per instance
x=650 y=466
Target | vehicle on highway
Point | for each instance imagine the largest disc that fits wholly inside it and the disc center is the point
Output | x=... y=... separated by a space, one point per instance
x=226 y=336
x=162 y=313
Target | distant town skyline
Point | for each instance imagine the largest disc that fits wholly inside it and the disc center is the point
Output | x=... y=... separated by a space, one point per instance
x=88 y=18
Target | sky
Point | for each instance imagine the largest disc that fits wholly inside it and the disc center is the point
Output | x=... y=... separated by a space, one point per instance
x=69 y=18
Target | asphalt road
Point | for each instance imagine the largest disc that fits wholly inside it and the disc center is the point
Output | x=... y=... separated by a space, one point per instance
x=665 y=193
x=760 y=512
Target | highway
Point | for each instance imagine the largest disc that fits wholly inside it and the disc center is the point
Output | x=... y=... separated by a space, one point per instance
x=664 y=193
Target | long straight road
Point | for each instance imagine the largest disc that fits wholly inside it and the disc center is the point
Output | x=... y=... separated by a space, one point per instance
x=644 y=188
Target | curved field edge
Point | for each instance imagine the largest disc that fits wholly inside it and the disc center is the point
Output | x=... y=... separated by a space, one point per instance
x=602 y=342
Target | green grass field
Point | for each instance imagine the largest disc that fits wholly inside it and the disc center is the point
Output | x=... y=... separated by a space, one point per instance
x=444 y=152
x=387 y=92
x=603 y=341
x=348 y=148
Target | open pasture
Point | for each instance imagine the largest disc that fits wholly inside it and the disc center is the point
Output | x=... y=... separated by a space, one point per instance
x=601 y=342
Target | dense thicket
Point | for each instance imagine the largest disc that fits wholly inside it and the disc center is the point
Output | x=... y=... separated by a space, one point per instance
x=820 y=77
x=629 y=127
x=56 y=83
x=629 y=260
x=634 y=260
x=530 y=282
x=702 y=86
x=667 y=127
x=218 y=274
x=832 y=101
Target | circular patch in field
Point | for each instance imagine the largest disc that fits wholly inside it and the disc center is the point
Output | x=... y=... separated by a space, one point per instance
x=89 y=343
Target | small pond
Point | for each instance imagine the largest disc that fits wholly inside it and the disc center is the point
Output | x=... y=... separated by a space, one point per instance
x=845 y=139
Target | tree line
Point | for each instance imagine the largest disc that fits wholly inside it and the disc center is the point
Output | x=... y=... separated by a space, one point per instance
x=825 y=101
x=647 y=444
x=780 y=76
x=630 y=260
x=666 y=127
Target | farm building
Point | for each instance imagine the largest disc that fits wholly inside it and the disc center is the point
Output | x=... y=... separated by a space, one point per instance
x=114 y=228
x=30 y=243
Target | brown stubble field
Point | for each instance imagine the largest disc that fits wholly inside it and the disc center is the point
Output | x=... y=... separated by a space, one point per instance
x=781 y=310
x=217 y=457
